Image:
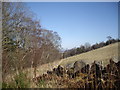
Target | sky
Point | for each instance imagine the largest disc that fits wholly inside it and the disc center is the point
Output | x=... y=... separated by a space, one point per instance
x=78 y=22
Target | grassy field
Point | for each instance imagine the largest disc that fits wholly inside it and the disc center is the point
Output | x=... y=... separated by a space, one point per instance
x=101 y=54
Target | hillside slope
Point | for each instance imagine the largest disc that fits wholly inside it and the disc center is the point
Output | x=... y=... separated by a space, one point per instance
x=104 y=54
x=100 y=54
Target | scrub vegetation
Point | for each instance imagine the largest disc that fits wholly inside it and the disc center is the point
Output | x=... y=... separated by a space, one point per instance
x=32 y=56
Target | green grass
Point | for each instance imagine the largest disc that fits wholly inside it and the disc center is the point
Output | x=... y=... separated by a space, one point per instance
x=41 y=84
x=19 y=81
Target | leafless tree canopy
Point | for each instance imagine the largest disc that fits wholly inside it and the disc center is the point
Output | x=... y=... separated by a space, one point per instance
x=24 y=42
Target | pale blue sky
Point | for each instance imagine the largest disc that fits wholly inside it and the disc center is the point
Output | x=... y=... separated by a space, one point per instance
x=78 y=22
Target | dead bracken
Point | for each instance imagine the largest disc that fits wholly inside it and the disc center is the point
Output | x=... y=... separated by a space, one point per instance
x=94 y=76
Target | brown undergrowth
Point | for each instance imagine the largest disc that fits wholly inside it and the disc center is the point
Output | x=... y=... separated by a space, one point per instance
x=95 y=76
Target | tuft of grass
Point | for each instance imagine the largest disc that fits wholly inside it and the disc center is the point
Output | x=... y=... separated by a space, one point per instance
x=19 y=81
x=22 y=81
x=41 y=84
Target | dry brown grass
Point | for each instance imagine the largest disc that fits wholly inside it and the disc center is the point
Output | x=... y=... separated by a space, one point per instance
x=104 y=54
x=109 y=78
x=101 y=54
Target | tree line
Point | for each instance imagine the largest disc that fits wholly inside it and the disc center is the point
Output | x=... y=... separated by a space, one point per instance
x=87 y=47
x=24 y=42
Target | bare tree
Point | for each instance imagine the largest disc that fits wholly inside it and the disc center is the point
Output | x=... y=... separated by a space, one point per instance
x=25 y=43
